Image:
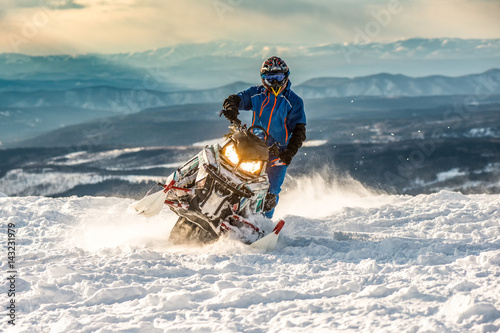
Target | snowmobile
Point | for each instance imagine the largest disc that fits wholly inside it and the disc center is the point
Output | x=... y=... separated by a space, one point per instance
x=216 y=191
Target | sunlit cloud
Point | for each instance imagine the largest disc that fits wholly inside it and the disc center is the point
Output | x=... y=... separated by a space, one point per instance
x=111 y=26
x=52 y=4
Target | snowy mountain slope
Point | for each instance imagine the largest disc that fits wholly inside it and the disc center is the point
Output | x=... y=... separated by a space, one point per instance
x=117 y=100
x=467 y=162
x=365 y=262
x=21 y=123
x=387 y=85
x=27 y=114
x=75 y=83
x=417 y=48
x=338 y=120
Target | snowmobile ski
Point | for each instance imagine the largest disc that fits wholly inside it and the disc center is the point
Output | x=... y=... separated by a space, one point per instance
x=153 y=203
x=268 y=242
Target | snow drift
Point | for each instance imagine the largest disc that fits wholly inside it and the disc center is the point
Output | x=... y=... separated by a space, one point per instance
x=359 y=261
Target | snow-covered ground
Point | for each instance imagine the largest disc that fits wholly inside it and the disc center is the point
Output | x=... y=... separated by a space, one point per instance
x=49 y=182
x=348 y=260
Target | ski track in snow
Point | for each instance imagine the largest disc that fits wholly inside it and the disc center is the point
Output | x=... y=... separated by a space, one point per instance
x=364 y=263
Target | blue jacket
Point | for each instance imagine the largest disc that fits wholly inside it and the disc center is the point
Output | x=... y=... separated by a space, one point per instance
x=277 y=115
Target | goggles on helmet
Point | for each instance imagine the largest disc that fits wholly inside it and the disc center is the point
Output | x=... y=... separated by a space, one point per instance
x=270 y=77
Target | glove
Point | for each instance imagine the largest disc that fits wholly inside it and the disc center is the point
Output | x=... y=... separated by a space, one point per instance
x=231 y=107
x=295 y=142
x=286 y=156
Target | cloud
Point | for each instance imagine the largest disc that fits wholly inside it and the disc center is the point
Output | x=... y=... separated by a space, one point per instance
x=49 y=4
x=451 y=18
x=110 y=26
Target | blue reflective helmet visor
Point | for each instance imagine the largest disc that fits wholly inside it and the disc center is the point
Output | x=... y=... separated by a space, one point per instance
x=270 y=77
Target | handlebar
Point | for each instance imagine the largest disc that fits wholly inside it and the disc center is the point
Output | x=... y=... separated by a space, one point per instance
x=236 y=123
x=262 y=129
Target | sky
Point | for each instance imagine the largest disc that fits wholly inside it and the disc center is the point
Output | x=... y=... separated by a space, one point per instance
x=41 y=27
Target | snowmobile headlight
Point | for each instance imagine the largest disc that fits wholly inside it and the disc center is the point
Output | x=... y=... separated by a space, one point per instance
x=252 y=167
x=232 y=155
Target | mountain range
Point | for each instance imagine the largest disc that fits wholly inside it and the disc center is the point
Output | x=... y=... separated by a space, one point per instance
x=204 y=65
x=127 y=100
x=39 y=94
x=388 y=85
x=26 y=114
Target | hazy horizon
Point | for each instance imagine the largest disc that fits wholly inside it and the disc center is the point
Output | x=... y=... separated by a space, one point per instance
x=250 y=43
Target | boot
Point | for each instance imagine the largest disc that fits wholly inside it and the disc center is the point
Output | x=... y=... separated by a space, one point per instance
x=269 y=202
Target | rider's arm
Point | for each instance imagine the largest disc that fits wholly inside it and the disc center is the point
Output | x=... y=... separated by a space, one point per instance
x=297 y=123
x=296 y=115
x=246 y=98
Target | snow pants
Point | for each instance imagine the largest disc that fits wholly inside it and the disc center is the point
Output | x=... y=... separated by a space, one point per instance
x=276 y=174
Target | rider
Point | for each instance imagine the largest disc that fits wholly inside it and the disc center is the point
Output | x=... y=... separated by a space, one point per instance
x=280 y=111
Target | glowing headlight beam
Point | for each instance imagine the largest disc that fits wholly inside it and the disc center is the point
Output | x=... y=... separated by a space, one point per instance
x=232 y=155
x=252 y=167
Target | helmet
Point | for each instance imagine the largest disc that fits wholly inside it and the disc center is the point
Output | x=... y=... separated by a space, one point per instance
x=274 y=74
